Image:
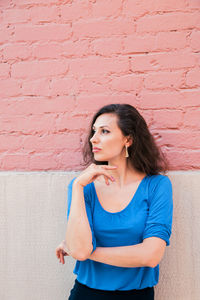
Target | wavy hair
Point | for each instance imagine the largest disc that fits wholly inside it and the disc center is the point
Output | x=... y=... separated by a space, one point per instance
x=144 y=155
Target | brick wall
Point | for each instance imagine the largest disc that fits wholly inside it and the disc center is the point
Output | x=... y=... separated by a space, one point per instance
x=62 y=60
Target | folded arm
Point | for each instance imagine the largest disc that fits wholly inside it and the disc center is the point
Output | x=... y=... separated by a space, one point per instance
x=146 y=254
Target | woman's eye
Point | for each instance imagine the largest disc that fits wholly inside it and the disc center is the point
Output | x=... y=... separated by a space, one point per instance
x=104 y=130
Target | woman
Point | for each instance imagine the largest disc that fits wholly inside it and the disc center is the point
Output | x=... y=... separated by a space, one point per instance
x=119 y=210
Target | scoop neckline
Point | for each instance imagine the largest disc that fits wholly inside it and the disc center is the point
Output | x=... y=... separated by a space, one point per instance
x=118 y=212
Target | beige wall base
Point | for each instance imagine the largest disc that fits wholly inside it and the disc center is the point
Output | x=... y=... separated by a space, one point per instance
x=33 y=222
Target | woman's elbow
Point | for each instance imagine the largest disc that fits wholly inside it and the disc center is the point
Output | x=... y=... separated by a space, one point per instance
x=81 y=254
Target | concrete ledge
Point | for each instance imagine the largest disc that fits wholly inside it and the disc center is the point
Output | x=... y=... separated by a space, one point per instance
x=33 y=221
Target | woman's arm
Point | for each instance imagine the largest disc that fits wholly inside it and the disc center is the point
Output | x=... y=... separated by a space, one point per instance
x=146 y=254
x=78 y=233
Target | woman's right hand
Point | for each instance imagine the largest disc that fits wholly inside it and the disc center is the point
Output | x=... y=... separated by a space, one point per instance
x=92 y=172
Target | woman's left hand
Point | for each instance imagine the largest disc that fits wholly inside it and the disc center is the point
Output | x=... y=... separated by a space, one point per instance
x=62 y=251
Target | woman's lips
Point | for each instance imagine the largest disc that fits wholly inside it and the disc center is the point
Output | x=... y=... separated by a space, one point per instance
x=96 y=149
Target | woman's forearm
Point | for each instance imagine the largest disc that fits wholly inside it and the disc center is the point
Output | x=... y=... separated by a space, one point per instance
x=124 y=256
x=78 y=233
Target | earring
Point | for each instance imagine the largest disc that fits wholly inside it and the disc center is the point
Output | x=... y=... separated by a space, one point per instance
x=127 y=155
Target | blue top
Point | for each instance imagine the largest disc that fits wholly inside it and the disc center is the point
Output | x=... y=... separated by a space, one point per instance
x=149 y=213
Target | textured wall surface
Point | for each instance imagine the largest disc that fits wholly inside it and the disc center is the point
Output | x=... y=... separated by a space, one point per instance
x=62 y=60
x=33 y=222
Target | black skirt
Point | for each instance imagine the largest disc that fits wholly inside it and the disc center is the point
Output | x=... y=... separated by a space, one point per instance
x=83 y=292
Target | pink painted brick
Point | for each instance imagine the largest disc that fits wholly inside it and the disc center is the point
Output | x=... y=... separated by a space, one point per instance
x=74 y=11
x=105 y=28
x=70 y=161
x=60 y=141
x=10 y=87
x=193 y=78
x=47 y=50
x=92 y=84
x=16 y=51
x=70 y=122
x=138 y=8
x=195 y=40
x=160 y=41
x=168 y=99
x=161 y=61
x=191 y=118
x=43 y=161
x=193 y=3
x=167 y=118
x=14 y=161
x=10 y=142
x=76 y=48
x=5 y=33
x=39 y=14
x=46 y=32
x=180 y=139
x=170 y=21
x=24 y=3
x=127 y=83
x=36 y=105
x=31 y=124
x=107 y=46
x=98 y=65
x=106 y=8
x=161 y=80
x=66 y=86
x=39 y=69
x=14 y=16
x=4 y=70
x=38 y=87
x=184 y=160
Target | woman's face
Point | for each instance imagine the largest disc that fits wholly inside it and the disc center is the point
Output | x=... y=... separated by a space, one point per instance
x=108 y=138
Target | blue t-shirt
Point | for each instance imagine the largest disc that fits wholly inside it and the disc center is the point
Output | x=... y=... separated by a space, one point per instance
x=148 y=214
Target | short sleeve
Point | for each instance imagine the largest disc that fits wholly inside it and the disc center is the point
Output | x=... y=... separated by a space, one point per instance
x=87 y=206
x=159 y=220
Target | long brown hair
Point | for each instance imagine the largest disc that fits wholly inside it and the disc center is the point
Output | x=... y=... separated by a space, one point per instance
x=144 y=155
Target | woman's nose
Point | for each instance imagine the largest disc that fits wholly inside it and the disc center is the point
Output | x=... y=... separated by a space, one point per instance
x=94 y=138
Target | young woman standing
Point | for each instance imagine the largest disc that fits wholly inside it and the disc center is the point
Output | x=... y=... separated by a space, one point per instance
x=119 y=210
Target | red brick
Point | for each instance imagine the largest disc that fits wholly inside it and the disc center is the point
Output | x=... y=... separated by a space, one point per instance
x=161 y=80
x=127 y=83
x=193 y=78
x=161 y=61
x=45 y=32
x=170 y=21
x=39 y=69
x=105 y=28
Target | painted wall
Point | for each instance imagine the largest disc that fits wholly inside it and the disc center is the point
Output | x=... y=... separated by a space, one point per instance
x=62 y=60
